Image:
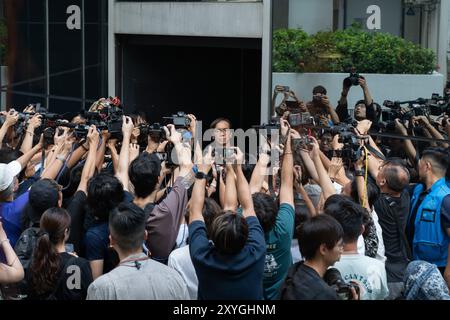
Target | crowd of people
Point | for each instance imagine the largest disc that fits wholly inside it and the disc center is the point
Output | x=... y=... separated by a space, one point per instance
x=111 y=217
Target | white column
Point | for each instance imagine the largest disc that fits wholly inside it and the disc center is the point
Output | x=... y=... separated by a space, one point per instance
x=443 y=37
x=266 y=61
x=111 y=50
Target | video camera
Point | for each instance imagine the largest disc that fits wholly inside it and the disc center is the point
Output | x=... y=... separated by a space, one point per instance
x=273 y=124
x=343 y=289
x=418 y=107
x=155 y=131
x=439 y=105
x=180 y=120
x=352 y=149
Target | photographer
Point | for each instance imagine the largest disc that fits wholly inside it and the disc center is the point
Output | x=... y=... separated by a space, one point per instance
x=364 y=109
x=392 y=208
x=232 y=267
x=321 y=108
x=11 y=118
x=277 y=221
x=321 y=244
x=164 y=218
x=367 y=272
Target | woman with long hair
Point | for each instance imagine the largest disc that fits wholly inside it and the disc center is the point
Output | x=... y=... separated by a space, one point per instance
x=54 y=273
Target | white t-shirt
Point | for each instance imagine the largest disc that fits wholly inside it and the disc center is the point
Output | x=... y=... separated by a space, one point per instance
x=180 y=260
x=381 y=251
x=295 y=251
x=182 y=236
x=368 y=273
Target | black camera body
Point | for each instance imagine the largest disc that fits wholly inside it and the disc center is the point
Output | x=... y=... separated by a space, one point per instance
x=352 y=79
x=180 y=120
x=343 y=289
x=155 y=131
x=352 y=149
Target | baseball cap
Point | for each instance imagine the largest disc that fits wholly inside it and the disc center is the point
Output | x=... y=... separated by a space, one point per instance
x=8 y=172
x=44 y=194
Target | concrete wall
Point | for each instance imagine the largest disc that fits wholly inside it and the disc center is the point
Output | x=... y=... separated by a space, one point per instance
x=311 y=16
x=211 y=19
x=382 y=86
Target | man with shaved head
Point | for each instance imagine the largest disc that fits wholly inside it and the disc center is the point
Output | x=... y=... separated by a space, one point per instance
x=392 y=208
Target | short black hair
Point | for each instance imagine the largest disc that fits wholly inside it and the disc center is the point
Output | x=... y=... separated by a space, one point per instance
x=229 y=232
x=266 y=210
x=44 y=194
x=440 y=158
x=105 y=192
x=215 y=122
x=8 y=154
x=127 y=226
x=319 y=89
x=144 y=172
x=349 y=214
x=392 y=173
x=321 y=229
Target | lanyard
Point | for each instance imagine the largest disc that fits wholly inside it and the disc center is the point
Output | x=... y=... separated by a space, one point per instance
x=137 y=263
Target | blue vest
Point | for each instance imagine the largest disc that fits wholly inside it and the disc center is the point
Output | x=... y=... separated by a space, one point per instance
x=430 y=243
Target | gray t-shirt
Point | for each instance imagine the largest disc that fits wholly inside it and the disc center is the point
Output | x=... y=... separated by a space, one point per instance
x=141 y=280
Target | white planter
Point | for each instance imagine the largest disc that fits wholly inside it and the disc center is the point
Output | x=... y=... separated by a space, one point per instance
x=401 y=87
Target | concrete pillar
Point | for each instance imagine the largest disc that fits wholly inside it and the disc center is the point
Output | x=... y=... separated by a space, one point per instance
x=111 y=50
x=443 y=37
x=266 y=67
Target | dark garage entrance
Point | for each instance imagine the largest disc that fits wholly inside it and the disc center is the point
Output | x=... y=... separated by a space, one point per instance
x=209 y=77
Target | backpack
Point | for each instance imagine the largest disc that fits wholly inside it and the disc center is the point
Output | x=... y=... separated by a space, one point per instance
x=24 y=249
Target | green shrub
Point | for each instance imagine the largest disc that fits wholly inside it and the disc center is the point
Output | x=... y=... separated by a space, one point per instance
x=368 y=52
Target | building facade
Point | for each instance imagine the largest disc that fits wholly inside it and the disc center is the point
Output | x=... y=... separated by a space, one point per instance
x=194 y=56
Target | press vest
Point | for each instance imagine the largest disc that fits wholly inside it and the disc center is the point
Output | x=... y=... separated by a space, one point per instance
x=430 y=242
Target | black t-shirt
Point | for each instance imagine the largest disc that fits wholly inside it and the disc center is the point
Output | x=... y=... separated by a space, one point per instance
x=304 y=283
x=71 y=269
x=392 y=216
x=76 y=209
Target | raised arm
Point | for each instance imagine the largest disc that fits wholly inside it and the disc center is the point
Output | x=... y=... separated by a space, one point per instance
x=53 y=169
x=301 y=190
x=409 y=147
x=367 y=97
x=324 y=180
x=12 y=270
x=33 y=123
x=124 y=157
x=287 y=174
x=23 y=160
x=259 y=172
x=231 y=198
x=198 y=193
x=243 y=189
x=89 y=165
x=433 y=131
x=11 y=119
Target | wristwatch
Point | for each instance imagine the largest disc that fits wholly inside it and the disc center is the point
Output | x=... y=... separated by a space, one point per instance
x=201 y=175
x=359 y=173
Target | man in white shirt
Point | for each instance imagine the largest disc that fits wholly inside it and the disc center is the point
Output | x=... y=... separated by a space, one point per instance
x=137 y=277
x=368 y=273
